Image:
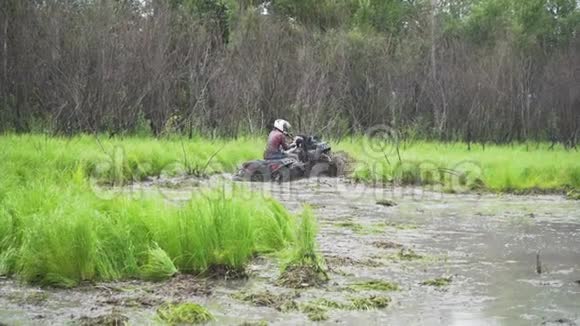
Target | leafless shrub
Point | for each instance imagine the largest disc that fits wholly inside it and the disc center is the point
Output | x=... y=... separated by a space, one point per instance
x=113 y=66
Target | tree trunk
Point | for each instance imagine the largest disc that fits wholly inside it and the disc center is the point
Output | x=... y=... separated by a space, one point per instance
x=433 y=45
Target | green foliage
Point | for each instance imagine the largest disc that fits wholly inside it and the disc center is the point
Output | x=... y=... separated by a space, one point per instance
x=119 y=160
x=143 y=126
x=304 y=251
x=502 y=168
x=544 y=21
x=302 y=266
x=535 y=22
x=324 y=14
x=214 y=13
x=487 y=19
x=365 y=62
x=158 y=265
x=70 y=236
x=392 y=17
x=315 y=312
x=56 y=228
x=329 y=304
x=184 y=314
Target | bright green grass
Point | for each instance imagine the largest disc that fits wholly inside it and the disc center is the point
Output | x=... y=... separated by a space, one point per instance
x=183 y=314
x=302 y=265
x=55 y=230
x=158 y=265
x=116 y=160
x=505 y=168
x=61 y=235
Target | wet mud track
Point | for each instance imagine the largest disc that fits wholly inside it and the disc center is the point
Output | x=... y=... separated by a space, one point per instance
x=457 y=260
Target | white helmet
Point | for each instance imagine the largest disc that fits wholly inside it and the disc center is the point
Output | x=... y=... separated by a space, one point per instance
x=282 y=125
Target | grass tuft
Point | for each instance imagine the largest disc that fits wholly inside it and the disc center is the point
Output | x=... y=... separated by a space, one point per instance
x=573 y=195
x=112 y=319
x=355 y=227
x=302 y=266
x=159 y=266
x=280 y=302
x=369 y=303
x=315 y=312
x=407 y=254
x=330 y=304
x=438 y=282
x=183 y=314
x=375 y=285
x=62 y=235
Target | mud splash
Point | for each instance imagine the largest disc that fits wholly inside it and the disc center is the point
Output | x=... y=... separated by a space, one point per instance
x=455 y=259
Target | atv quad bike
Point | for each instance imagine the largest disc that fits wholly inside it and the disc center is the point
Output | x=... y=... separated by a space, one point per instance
x=314 y=159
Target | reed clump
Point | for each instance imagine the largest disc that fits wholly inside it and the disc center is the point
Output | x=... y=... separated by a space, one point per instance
x=302 y=266
x=63 y=235
x=183 y=314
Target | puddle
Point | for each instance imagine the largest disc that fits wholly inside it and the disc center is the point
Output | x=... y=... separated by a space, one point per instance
x=485 y=244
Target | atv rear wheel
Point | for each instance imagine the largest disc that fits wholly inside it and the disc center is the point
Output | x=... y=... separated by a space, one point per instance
x=283 y=174
x=261 y=175
x=257 y=176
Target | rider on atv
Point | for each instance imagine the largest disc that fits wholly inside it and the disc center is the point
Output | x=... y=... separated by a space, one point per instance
x=277 y=148
x=306 y=156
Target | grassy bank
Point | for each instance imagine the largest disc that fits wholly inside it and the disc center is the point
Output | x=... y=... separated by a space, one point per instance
x=505 y=168
x=118 y=160
x=55 y=230
x=62 y=235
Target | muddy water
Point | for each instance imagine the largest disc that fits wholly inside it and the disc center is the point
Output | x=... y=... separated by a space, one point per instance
x=487 y=244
